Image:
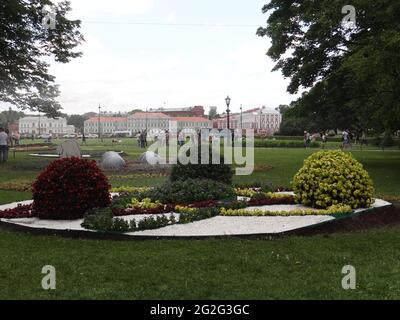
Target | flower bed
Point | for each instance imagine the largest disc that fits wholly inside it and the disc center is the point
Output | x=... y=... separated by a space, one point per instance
x=334 y=210
x=17 y=185
x=21 y=211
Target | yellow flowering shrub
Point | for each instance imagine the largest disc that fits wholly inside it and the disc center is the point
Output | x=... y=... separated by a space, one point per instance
x=130 y=189
x=333 y=177
x=245 y=192
x=331 y=211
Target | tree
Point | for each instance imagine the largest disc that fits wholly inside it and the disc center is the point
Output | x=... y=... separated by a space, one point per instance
x=10 y=117
x=213 y=113
x=78 y=121
x=26 y=44
x=350 y=74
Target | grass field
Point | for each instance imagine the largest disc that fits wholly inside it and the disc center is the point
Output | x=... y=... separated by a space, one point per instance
x=288 y=268
x=291 y=268
x=383 y=167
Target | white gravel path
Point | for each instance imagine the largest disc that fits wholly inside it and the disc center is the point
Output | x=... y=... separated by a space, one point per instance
x=217 y=226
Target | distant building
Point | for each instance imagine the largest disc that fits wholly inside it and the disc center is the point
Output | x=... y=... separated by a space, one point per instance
x=37 y=125
x=141 y=121
x=261 y=120
x=195 y=123
x=108 y=125
x=197 y=111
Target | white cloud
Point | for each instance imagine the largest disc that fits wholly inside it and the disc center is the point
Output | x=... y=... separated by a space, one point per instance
x=171 y=17
x=81 y=7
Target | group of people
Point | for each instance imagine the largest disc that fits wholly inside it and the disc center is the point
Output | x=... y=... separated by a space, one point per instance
x=5 y=143
x=347 y=138
x=181 y=138
x=142 y=139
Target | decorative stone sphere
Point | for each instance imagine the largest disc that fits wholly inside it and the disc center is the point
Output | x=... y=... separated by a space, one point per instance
x=112 y=161
x=150 y=158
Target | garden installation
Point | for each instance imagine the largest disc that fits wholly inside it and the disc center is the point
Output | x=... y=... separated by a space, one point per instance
x=331 y=185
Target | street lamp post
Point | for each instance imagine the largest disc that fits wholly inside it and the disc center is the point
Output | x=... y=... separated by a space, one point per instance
x=39 y=124
x=241 y=117
x=146 y=119
x=100 y=136
x=228 y=103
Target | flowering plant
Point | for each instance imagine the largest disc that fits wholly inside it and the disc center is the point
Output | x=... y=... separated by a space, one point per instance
x=333 y=210
x=21 y=211
x=333 y=177
x=68 y=188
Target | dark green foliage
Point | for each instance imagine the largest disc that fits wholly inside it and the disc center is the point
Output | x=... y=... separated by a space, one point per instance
x=191 y=190
x=200 y=214
x=352 y=73
x=218 y=172
x=77 y=120
x=98 y=219
x=266 y=186
x=157 y=222
x=102 y=220
x=25 y=43
x=283 y=144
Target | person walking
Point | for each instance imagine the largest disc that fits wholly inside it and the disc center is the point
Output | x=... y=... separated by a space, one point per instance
x=307 y=139
x=346 y=140
x=84 y=139
x=324 y=137
x=3 y=146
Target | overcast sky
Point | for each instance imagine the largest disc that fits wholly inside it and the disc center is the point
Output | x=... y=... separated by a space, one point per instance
x=168 y=62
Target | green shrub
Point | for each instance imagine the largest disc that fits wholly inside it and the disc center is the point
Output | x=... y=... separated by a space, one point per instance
x=189 y=215
x=102 y=220
x=190 y=191
x=218 y=172
x=330 y=178
x=385 y=141
x=283 y=144
x=265 y=186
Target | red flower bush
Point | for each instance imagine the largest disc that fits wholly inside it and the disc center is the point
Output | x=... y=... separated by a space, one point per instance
x=21 y=211
x=271 y=201
x=69 y=187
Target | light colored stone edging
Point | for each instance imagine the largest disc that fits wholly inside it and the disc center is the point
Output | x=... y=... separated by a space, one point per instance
x=217 y=226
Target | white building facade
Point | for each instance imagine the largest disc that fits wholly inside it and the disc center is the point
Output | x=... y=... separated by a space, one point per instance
x=105 y=125
x=195 y=123
x=261 y=120
x=44 y=125
x=142 y=121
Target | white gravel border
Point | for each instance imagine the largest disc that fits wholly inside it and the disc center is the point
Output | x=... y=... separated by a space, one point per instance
x=217 y=226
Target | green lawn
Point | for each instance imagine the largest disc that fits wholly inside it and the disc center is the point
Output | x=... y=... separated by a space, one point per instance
x=290 y=268
x=382 y=166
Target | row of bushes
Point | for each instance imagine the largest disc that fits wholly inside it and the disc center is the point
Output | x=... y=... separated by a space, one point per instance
x=283 y=144
x=333 y=211
x=103 y=220
x=388 y=141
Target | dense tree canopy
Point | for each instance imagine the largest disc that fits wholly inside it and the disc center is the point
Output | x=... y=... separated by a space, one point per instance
x=9 y=117
x=78 y=121
x=26 y=47
x=350 y=74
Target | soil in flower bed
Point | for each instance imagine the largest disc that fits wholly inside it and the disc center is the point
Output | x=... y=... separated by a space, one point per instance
x=378 y=218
